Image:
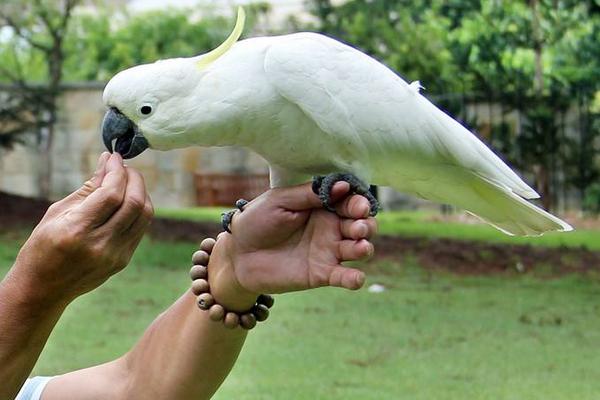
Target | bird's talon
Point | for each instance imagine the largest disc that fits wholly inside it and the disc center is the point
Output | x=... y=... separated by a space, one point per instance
x=226 y=219
x=227 y=216
x=322 y=186
x=240 y=204
x=316 y=184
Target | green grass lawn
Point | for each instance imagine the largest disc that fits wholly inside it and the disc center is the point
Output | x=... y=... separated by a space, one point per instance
x=420 y=223
x=429 y=336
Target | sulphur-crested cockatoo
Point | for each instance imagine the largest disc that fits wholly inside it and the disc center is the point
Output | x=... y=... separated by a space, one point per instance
x=311 y=105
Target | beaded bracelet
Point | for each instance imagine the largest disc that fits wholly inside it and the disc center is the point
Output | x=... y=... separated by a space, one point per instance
x=216 y=312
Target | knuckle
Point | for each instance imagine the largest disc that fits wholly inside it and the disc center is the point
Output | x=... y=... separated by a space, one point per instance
x=66 y=241
x=112 y=198
x=358 y=204
x=134 y=204
x=88 y=187
x=290 y=216
x=148 y=211
x=97 y=253
x=373 y=226
x=53 y=208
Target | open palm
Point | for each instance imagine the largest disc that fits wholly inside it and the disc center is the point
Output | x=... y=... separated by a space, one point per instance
x=284 y=241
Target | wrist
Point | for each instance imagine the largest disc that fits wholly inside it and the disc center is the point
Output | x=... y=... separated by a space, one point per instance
x=225 y=286
x=31 y=297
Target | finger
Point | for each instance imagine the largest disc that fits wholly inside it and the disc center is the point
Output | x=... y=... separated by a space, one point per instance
x=339 y=191
x=146 y=217
x=136 y=231
x=348 y=278
x=296 y=198
x=100 y=205
x=358 y=229
x=133 y=205
x=355 y=207
x=128 y=249
x=352 y=250
x=301 y=197
x=88 y=187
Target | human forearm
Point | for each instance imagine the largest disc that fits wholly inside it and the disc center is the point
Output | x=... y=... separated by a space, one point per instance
x=80 y=242
x=182 y=355
x=26 y=320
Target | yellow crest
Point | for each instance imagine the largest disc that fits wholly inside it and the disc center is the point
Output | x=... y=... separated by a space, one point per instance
x=211 y=56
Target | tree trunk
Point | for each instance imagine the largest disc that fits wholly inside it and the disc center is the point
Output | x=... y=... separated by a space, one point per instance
x=54 y=65
x=542 y=186
x=45 y=159
x=542 y=171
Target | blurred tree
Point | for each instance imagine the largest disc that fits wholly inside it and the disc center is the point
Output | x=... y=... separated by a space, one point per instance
x=527 y=56
x=99 y=47
x=409 y=36
x=106 y=42
x=38 y=29
x=44 y=43
x=537 y=57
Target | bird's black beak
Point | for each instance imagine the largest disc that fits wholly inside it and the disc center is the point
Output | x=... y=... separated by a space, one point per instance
x=129 y=139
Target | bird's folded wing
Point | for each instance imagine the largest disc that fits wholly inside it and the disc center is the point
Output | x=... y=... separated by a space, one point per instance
x=352 y=96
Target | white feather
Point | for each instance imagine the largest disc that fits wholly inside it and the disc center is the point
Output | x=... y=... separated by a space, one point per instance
x=311 y=105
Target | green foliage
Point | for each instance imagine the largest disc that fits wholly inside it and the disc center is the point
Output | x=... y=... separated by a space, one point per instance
x=591 y=201
x=98 y=48
x=408 y=36
x=538 y=57
x=99 y=44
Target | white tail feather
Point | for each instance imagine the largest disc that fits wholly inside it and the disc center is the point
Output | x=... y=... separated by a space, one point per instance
x=511 y=213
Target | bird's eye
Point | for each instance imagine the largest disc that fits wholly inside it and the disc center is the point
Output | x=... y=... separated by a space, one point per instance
x=146 y=110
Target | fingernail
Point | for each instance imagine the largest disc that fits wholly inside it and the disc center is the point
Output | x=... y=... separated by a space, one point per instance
x=365 y=210
x=115 y=160
x=370 y=250
x=360 y=279
x=364 y=229
x=102 y=160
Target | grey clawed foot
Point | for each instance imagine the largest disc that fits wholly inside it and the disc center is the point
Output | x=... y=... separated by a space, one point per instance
x=227 y=216
x=322 y=186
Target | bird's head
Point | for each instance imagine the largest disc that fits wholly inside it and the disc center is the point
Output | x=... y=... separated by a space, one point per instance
x=149 y=106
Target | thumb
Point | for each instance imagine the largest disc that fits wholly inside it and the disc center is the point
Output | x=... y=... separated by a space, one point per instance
x=301 y=197
x=91 y=184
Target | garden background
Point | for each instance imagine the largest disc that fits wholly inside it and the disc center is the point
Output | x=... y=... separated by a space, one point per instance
x=466 y=312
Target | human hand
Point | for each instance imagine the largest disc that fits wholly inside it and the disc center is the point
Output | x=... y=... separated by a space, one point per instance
x=285 y=241
x=87 y=237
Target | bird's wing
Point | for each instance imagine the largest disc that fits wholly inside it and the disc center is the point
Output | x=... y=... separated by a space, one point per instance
x=354 y=97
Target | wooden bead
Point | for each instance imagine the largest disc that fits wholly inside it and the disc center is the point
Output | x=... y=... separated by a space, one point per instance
x=205 y=301
x=216 y=312
x=232 y=320
x=261 y=312
x=266 y=300
x=200 y=258
x=199 y=286
x=207 y=245
x=248 y=321
x=198 y=272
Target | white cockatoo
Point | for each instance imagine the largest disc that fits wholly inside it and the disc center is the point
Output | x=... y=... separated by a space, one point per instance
x=311 y=105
